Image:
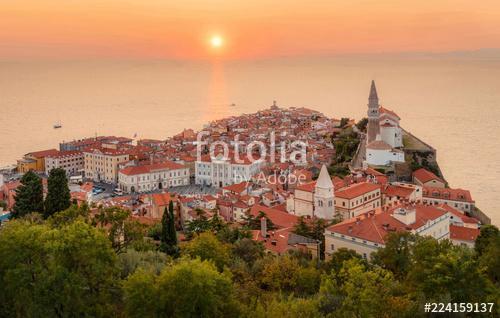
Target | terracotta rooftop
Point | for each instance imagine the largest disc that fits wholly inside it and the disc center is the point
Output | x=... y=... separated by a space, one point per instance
x=44 y=153
x=463 y=233
x=379 y=145
x=424 y=175
x=447 y=194
x=374 y=227
x=356 y=190
x=279 y=218
x=135 y=170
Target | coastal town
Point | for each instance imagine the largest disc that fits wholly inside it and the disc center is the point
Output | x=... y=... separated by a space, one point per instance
x=279 y=166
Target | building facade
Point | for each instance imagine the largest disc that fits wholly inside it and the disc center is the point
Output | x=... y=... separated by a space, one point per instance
x=366 y=233
x=72 y=162
x=384 y=135
x=220 y=171
x=314 y=199
x=152 y=177
x=101 y=164
x=358 y=198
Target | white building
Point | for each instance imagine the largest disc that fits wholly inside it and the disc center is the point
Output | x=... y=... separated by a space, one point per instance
x=367 y=233
x=458 y=198
x=357 y=198
x=315 y=198
x=101 y=163
x=384 y=135
x=151 y=177
x=71 y=161
x=380 y=153
x=220 y=171
x=390 y=131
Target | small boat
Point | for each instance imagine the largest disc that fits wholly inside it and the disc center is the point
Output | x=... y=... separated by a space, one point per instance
x=57 y=125
x=233 y=104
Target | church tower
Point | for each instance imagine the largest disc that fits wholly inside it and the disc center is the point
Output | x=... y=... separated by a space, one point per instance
x=324 y=196
x=373 y=115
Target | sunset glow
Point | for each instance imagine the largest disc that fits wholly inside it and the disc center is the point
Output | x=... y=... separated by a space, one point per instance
x=216 y=41
x=171 y=29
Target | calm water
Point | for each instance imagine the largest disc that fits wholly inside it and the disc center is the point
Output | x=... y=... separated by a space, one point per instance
x=452 y=104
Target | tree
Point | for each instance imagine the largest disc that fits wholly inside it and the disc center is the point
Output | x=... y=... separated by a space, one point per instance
x=441 y=271
x=254 y=222
x=198 y=225
x=361 y=125
x=56 y=272
x=70 y=215
x=29 y=195
x=357 y=291
x=301 y=228
x=248 y=250
x=150 y=261
x=490 y=259
x=168 y=232
x=207 y=247
x=343 y=122
x=189 y=288
x=233 y=235
x=280 y=306
x=122 y=231
x=488 y=232
x=396 y=256
x=58 y=195
x=337 y=259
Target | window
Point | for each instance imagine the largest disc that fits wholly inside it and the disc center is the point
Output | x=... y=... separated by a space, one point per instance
x=333 y=247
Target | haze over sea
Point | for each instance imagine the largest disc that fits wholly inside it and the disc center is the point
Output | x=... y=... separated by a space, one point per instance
x=451 y=102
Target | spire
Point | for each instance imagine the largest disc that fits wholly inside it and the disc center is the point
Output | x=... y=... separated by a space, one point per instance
x=373 y=92
x=324 y=181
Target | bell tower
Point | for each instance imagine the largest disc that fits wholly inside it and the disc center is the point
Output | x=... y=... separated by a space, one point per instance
x=373 y=128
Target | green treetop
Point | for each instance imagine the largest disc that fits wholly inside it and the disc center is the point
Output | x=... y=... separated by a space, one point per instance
x=29 y=195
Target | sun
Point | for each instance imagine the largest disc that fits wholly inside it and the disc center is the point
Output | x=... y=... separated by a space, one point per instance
x=216 y=41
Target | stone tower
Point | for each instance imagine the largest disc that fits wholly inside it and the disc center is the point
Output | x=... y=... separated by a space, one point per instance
x=324 y=206
x=373 y=128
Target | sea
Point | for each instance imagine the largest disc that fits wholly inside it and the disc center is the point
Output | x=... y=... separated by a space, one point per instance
x=450 y=102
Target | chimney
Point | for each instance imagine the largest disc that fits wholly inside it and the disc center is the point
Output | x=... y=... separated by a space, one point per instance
x=263 y=227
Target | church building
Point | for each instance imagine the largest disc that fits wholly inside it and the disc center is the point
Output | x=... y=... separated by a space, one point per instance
x=384 y=136
x=314 y=199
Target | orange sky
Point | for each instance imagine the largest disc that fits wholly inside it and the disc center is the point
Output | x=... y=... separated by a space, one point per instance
x=251 y=29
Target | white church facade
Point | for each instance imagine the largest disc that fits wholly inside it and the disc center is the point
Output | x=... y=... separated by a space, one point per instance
x=384 y=135
x=314 y=199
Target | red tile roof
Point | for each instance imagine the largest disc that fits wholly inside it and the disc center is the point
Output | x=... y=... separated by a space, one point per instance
x=356 y=190
x=135 y=170
x=459 y=214
x=279 y=218
x=383 y=110
x=398 y=191
x=62 y=154
x=424 y=175
x=307 y=187
x=447 y=194
x=44 y=153
x=371 y=227
x=237 y=187
x=463 y=233
x=161 y=199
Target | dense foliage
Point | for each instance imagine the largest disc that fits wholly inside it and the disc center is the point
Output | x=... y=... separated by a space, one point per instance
x=58 y=194
x=104 y=265
x=29 y=195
